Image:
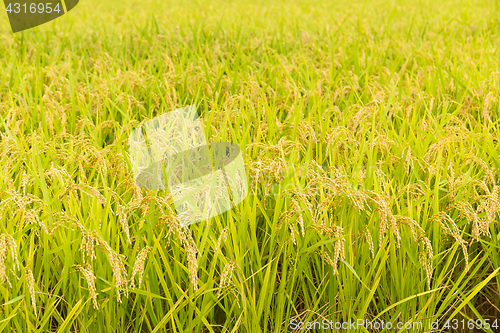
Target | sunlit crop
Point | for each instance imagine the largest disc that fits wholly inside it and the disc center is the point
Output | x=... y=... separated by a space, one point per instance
x=370 y=136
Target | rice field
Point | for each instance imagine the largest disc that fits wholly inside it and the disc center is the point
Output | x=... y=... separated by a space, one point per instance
x=370 y=135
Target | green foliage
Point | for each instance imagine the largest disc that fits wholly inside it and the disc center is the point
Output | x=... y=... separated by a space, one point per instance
x=370 y=136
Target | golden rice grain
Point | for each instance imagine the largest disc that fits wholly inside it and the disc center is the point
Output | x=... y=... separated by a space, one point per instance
x=226 y=277
x=369 y=239
x=449 y=227
x=122 y=217
x=338 y=252
x=30 y=281
x=7 y=244
x=222 y=237
x=139 y=265
x=87 y=272
x=425 y=257
x=408 y=161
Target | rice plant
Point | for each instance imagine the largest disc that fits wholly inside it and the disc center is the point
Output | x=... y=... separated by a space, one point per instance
x=370 y=135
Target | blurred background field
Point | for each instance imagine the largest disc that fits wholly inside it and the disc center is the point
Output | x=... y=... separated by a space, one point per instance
x=370 y=138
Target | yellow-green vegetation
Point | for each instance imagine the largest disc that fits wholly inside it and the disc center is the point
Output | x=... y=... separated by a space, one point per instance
x=370 y=136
